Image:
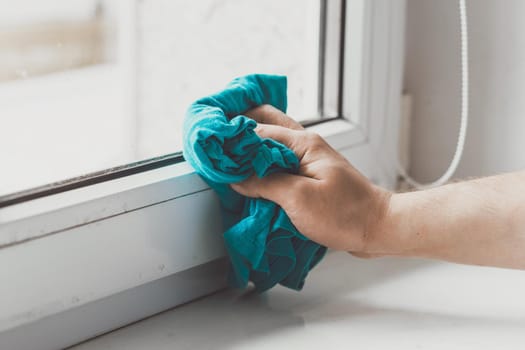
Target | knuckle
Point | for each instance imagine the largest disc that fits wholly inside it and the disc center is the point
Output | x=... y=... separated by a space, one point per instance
x=266 y=108
x=258 y=113
x=313 y=138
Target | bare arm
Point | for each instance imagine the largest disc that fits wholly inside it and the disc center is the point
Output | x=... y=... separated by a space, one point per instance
x=479 y=222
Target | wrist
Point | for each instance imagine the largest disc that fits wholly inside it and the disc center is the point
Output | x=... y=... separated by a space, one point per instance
x=392 y=234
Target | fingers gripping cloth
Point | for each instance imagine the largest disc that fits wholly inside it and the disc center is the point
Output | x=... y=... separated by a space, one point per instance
x=220 y=143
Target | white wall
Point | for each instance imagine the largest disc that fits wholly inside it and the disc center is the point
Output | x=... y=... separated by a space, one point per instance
x=495 y=141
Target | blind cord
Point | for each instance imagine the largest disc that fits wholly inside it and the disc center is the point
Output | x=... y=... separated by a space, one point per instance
x=464 y=111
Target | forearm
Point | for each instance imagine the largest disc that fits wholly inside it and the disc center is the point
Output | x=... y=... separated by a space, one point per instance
x=479 y=222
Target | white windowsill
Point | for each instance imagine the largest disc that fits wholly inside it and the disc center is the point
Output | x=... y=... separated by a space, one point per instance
x=348 y=303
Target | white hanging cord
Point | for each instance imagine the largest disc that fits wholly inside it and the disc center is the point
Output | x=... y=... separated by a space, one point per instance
x=464 y=110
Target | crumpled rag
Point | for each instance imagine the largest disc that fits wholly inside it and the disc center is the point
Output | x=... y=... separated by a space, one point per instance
x=220 y=143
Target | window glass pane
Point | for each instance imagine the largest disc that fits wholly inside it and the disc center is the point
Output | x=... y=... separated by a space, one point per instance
x=87 y=85
x=189 y=51
x=62 y=89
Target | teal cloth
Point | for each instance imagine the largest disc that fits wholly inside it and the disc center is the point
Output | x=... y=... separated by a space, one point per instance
x=219 y=142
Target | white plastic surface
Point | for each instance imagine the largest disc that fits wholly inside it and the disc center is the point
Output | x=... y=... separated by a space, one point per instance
x=349 y=304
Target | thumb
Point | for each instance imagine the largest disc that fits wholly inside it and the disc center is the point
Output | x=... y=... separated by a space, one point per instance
x=280 y=188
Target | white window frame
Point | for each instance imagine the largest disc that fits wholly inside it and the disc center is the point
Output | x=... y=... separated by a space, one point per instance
x=96 y=258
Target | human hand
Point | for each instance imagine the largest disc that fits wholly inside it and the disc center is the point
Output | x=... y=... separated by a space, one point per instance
x=328 y=201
